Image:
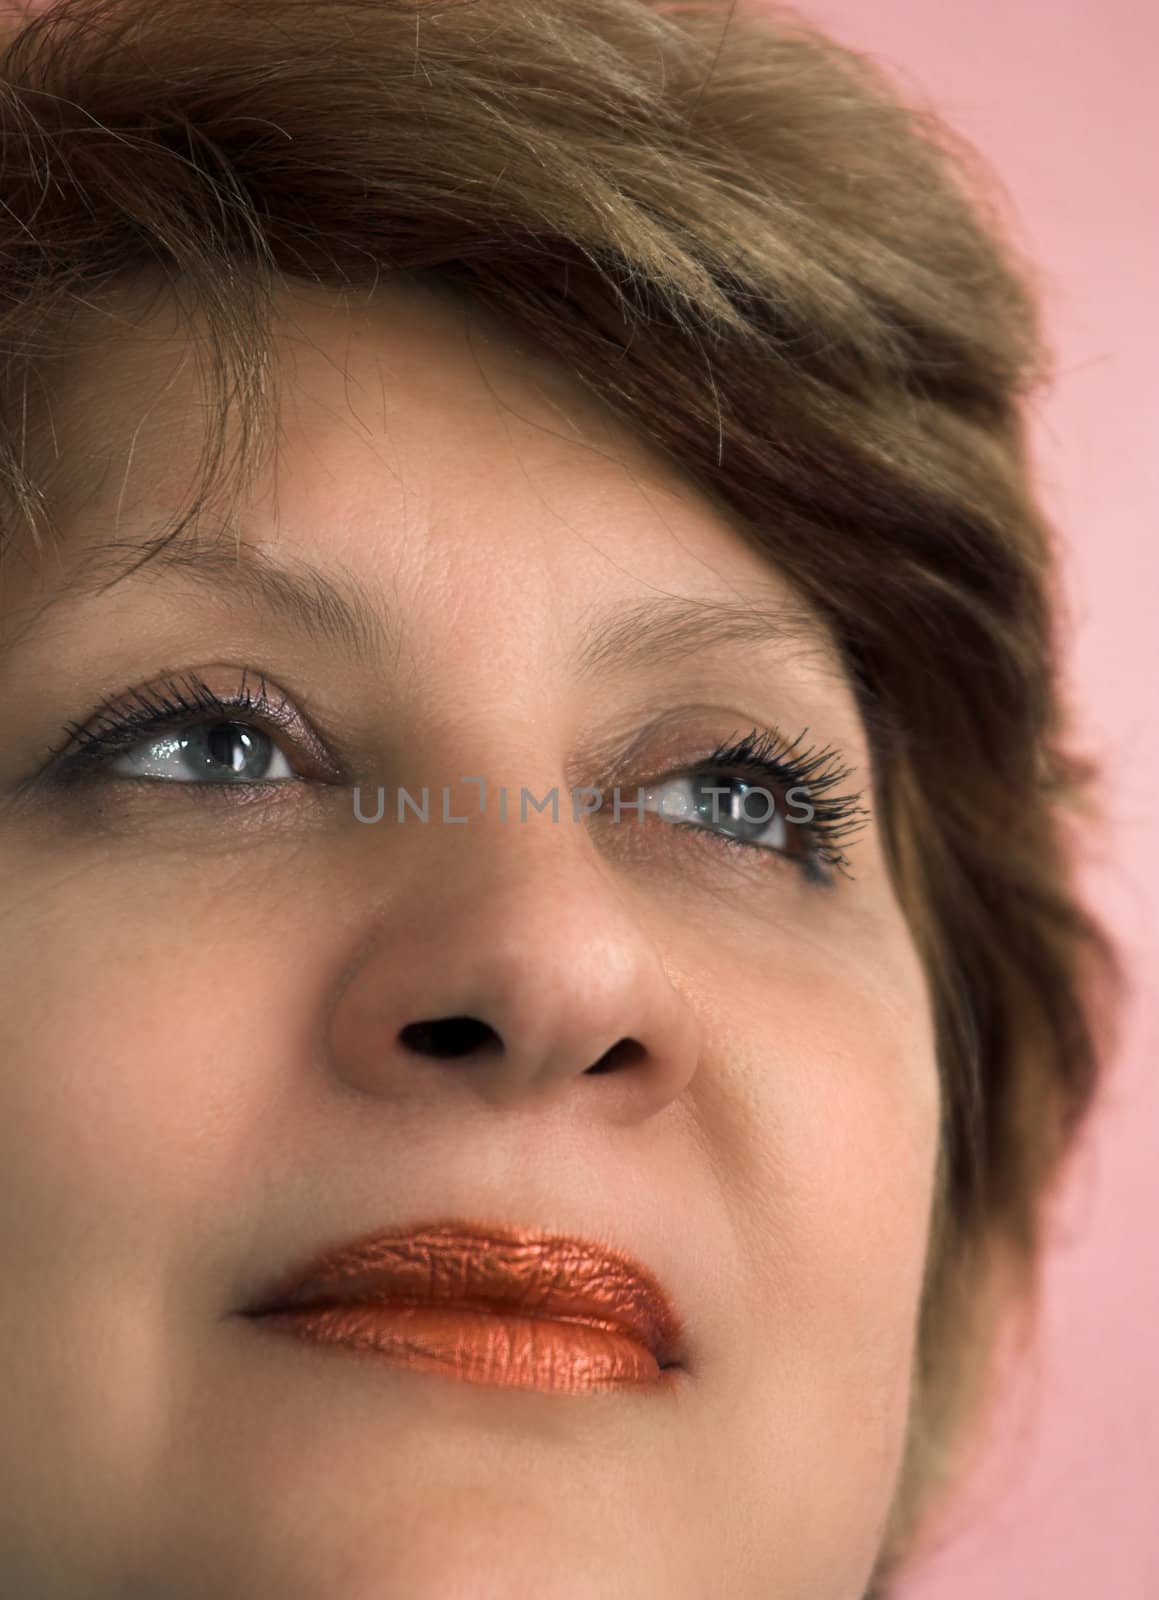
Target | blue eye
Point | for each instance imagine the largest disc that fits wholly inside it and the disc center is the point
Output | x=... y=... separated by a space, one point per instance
x=182 y=731
x=750 y=813
x=207 y=752
x=758 y=793
x=765 y=793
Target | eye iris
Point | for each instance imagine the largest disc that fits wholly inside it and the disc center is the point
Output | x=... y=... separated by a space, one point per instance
x=226 y=749
x=745 y=809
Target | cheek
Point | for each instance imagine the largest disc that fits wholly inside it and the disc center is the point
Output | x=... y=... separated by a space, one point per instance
x=847 y=1103
x=121 y=1091
x=828 y=1108
x=119 y=1042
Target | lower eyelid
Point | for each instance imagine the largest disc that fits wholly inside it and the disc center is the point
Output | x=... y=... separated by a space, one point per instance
x=755 y=859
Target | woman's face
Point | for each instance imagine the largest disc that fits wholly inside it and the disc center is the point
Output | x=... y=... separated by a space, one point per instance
x=210 y=956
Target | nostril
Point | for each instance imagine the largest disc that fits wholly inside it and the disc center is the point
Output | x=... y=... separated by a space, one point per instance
x=623 y=1054
x=448 y=1037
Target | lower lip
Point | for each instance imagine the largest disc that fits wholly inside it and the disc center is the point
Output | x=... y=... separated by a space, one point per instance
x=483 y=1347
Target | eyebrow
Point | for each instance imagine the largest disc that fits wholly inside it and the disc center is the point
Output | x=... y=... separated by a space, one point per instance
x=335 y=607
x=646 y=633
x=332 y=607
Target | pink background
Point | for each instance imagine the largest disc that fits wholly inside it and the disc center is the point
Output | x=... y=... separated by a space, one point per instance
x=1061 y=98
x=1064 y=1504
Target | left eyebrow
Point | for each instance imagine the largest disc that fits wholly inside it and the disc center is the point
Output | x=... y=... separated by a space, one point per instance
x=652 y=632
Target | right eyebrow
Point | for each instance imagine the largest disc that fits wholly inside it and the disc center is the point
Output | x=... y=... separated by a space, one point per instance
x=330 y=606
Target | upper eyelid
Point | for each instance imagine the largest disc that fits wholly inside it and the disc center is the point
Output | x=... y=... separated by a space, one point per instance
x=827 y=768
x=276 y=712
x=135 y=706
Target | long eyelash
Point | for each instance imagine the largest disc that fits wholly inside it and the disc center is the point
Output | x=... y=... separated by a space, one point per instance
x=836 y=819
x=818 y=770
x=119 y=726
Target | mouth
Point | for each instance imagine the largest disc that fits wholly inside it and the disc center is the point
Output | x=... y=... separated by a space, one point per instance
x=489 y=1305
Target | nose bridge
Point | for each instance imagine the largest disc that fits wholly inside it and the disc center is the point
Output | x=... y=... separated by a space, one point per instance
x=547 y=939
x=514 y=958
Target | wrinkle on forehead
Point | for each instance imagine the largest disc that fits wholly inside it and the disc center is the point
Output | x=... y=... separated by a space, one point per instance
x=127 y=425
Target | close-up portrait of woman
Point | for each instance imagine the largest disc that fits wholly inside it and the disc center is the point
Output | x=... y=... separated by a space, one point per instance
x=547 y=986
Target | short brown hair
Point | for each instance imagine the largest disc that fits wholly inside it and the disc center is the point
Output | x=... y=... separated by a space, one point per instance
x=799 y=289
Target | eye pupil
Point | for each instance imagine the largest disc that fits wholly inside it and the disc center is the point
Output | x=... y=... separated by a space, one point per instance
x=227 y=744
x=745 y=811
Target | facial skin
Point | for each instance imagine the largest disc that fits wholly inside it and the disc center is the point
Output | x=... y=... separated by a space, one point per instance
x=201 y=1076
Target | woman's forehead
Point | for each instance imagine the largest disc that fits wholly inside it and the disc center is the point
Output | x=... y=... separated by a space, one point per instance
x=415 y=447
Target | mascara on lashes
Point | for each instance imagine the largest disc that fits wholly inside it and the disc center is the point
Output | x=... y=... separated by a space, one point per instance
x=760 y=754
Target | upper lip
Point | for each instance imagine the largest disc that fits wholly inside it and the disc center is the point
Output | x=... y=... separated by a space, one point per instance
x=471 y=1266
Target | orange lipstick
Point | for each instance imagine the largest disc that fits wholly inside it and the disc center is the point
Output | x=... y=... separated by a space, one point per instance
x=497 y=1306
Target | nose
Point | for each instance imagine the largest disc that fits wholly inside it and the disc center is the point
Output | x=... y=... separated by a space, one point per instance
x=512 y=966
